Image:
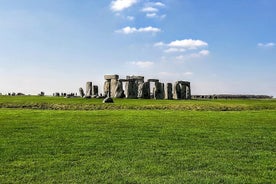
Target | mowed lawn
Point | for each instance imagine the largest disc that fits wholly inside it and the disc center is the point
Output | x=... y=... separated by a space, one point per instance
x=137 y=146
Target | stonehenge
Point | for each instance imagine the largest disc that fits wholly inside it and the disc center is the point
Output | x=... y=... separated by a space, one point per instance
x=133 y=87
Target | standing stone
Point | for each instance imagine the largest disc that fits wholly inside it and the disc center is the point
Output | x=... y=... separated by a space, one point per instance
x=177 y=91
x=119 y=92
x=113 y=85
x=183 y=91
x=146 y=90
x=88 y=89
x=81 y=92
x=95 y=90
x=131 y=89
x=168 y=91
x=140 y=90
x=158 y=91
x=107 y=88
x=189 y=94
x=110 y=85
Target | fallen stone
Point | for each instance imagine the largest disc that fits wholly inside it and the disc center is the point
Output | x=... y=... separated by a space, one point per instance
x=108 y=100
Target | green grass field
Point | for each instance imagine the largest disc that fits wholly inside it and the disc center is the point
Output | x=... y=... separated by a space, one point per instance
x=137 y=141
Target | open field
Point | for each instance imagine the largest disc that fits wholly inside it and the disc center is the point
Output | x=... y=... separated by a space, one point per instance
x=59 y=103
x=206 y=144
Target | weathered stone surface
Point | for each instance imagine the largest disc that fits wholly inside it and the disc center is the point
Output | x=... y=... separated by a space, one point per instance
x=177 y=91
x=183 y=91
x=108 y=100
x=119 y=92
x=131 y=89
x=88 y=89
x=188 y=92
x=109 y=77
x=106 y=88
x=153 y=80
x=158 y=90
x=144 y=90
x=113 y=85
x=81 y=92
x=95 y=90
x=168 y=91
x=134 y=77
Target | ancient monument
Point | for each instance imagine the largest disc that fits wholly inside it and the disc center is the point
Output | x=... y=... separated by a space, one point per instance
x=135 y=87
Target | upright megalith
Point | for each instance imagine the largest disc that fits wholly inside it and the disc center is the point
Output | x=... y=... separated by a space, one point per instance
x=88 y=89
x=133 y=86
x=95 y=90
x=111 y=84
x=158 y=92
x=168 y=91
x=81 y=92
x=144 y=90
x=107 y=88
x=119 y=92
x=182 y=90
x=177 y=91
x=131 y=89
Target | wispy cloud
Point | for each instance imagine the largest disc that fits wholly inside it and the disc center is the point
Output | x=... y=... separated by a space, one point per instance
x=149 y=9
x=202 y=53
x=151 y=15
x=130 y=30
x=271 y=44
x=143 y=64
x=152 y=9
x=120 y=5
x=159 y=44
x=170 y=50
x=159 y=4
x=188 y=44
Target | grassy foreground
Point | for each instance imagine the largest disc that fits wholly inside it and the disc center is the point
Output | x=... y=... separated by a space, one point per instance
x=145 y=146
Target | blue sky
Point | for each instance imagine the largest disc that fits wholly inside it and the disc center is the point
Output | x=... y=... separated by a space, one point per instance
x=219 y=46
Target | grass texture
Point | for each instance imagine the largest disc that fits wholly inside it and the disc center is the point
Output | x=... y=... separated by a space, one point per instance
x=144 y=146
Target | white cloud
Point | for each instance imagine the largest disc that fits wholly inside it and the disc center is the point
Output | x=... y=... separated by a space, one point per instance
x=271 y=44
x=149 y=9
x=119 y=5
x=159 y=4
x=169 y=50
x=188 y=73
x=129 y=30
x=188 y=44
x=204 y=52
x=199 y=54
x=159 y=44
x=151 y=15
x=143 y=64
